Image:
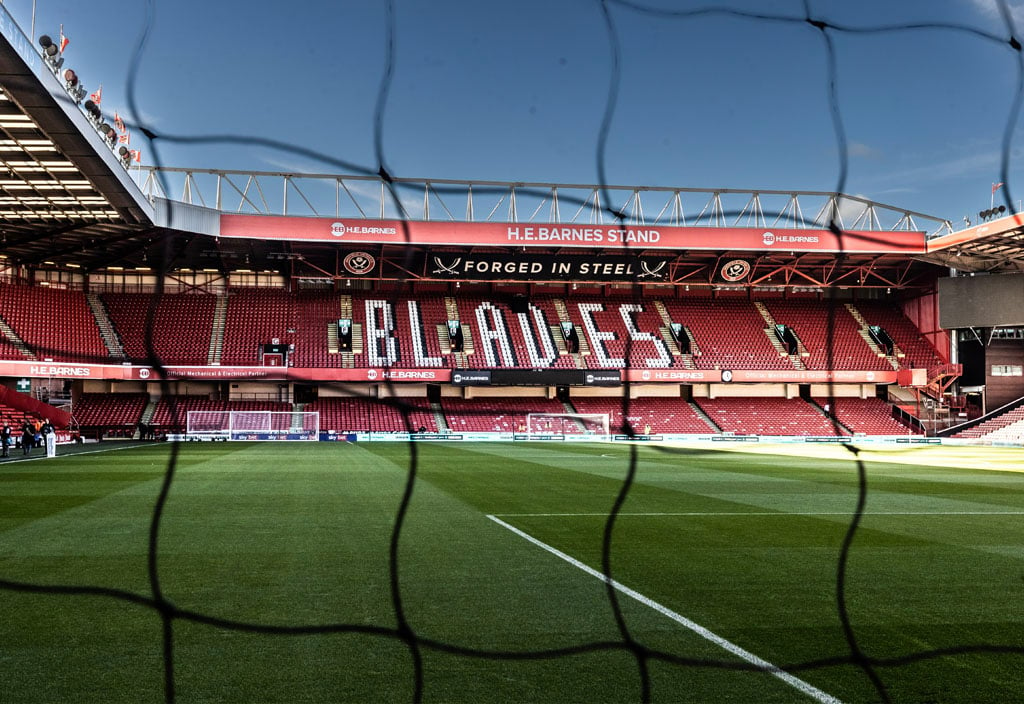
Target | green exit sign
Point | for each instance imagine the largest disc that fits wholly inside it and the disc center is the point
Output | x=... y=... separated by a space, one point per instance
x=24 y=385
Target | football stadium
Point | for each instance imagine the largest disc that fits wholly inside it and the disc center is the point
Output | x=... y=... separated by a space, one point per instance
x=611 y=443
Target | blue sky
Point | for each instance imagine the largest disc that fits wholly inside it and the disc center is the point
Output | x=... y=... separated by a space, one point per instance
x=517 y=91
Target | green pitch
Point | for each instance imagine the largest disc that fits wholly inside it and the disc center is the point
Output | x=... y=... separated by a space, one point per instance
x=275 y=575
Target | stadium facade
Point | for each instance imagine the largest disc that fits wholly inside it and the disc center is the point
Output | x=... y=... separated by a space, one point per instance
x=439 y=309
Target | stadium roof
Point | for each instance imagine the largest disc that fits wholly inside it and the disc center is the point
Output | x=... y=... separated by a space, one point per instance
x=994 y=246
x=66 y=199
x=62 y=189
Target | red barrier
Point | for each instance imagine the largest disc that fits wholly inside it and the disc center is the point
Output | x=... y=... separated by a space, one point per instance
x=24 y=402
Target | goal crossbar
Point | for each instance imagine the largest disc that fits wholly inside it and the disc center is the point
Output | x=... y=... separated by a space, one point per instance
x=255 y=425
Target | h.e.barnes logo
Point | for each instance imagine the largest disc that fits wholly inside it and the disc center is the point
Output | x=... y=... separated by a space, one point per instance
x=337 y=229
x=768 y=239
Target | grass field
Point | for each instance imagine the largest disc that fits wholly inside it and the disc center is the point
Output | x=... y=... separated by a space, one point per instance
x=275 y=571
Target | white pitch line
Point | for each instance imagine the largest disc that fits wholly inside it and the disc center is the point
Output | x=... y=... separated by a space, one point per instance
x=30 y=458
x=795 y=682
x=771 y=513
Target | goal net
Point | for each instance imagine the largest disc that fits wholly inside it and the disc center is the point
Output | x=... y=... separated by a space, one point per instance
x=255 y=425
x=592 y=425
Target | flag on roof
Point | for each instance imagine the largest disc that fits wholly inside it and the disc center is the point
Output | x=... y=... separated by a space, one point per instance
x=97 y=97
x=63 y=40
x=996 y=187
x=125 y=138
x=118 y=123
x=136 y=154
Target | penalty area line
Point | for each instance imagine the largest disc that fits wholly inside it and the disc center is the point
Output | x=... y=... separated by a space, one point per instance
x=30 y=458
x=727 y=645
x=767 y=513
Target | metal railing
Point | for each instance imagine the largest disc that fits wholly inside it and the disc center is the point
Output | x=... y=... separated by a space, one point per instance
x=335 y=195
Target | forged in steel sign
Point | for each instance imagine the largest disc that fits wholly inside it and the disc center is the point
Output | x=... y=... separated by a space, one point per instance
x=496 y=266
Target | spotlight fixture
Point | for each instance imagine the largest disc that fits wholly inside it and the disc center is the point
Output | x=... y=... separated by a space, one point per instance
x=108 y=133
x=50 y=52
x=93 y=111
x=992 y=212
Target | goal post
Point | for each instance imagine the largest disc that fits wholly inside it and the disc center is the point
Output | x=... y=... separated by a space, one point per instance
x=593 y=426
x=254 y=425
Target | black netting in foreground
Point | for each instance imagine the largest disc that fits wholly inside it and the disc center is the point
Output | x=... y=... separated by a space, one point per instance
x=820 y=36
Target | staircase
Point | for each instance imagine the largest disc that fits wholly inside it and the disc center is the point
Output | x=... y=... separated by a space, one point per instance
x=147 y=415
x=578 y=422
x=13 y=338
x=348 y=359
x=220 y=319
x=794 y=359
x=296 y=424
x=556 y=330
x=332 y=338
x=704 y=417
x=821 y=410
x=451 y=309
x=442 y=422
x=866 y=336
x=665 y=331
x=111 y=339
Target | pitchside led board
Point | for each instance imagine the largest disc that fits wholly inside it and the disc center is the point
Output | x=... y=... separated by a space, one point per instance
x=989 y=301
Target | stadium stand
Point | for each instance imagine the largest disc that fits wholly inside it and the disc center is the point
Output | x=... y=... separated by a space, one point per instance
x=730 y=334
x=53 y=323
x=495 y=415
x=171 y=413
x=616 y=345
x=256 y=317
x=660 y=415
x=13 y=416
x=411 y=331
x=182 y=329
x=109 y=414
x=767 y=416
x=1007 y=426
x=919 y=354
x=404 y=332
x=867 y=416
x=362 y=415
x=810 y=320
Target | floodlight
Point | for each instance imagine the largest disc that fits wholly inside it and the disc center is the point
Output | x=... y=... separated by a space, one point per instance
x=70 y=78
x=49 y=48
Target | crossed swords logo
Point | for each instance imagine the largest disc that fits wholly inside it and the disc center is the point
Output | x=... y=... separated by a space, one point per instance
x=648 y=271
x=442 y=269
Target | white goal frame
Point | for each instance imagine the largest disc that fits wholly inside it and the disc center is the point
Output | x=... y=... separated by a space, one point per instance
x=547 y=424
x=254 y=425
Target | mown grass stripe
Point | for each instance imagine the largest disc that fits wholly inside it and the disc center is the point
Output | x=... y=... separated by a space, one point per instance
x=727 y=645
